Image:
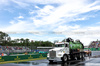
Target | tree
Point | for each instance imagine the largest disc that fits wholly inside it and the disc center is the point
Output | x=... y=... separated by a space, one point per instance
x=9 y=39
x=27 y=42
x=21 y=40
x=18 y=40
x=4 y=38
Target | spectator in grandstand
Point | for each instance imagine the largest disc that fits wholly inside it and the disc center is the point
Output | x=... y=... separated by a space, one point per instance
x=26 y=53
x=98 y=45
x=2 y=54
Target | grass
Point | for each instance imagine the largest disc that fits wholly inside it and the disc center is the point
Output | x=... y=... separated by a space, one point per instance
x=5 y=62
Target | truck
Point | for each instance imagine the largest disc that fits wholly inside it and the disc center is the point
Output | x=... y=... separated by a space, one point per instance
x=65 y=51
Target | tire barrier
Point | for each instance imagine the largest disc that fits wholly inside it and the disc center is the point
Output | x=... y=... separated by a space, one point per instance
x=21 y=57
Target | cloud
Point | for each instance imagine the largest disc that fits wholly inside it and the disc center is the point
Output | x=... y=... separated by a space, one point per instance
x=55 y=38
x=46 y=1
x=37 y=7
x=18 y=26
x=42 y=14
x=4 y=2
x=98 y=23
x=12 y=22
x=21 y=4
x=13 y=3
x=20 y=17
x=67 y=28
x=64 y=13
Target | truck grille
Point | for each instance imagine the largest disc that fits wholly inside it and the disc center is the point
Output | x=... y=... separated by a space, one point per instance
x=52 y=53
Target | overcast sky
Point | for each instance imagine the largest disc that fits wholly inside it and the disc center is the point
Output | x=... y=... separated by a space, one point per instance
x=51 y=19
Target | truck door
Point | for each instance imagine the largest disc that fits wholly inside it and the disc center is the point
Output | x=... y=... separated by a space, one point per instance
x=67 y=48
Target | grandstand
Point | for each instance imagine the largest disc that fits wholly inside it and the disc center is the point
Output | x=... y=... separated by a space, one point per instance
x=95 y=45
x=14 y=49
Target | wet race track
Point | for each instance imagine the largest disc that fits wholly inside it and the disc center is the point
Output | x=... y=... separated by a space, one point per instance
x=86 y=62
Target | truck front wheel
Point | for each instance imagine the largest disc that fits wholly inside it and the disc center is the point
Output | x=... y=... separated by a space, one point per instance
x=65 y=58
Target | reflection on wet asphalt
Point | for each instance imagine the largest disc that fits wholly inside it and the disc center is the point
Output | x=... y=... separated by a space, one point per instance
x=86 y=62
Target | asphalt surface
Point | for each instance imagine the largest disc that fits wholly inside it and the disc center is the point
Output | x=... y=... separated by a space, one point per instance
x=85 y=62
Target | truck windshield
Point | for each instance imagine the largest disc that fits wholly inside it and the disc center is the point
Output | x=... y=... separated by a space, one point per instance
x=60 y=45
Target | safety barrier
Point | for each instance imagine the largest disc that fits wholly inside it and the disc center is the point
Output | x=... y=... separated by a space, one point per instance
x=21 y=57
x=93 y=49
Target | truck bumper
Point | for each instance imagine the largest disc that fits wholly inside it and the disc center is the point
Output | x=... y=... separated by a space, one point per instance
x=54 y=59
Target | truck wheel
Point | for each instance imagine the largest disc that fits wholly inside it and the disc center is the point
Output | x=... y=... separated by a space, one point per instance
x=72 y=57
x=50 y=61
x=65 y=58
x=90 y=54
x=83 y=56
x=80 y=55
x=76 y=57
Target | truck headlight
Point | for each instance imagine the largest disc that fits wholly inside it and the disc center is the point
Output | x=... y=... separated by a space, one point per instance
x=59 y=54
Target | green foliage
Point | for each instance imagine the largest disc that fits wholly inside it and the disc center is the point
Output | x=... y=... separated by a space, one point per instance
x=5 y=40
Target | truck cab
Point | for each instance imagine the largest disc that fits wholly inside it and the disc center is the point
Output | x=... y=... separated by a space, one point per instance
x=58 y=52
